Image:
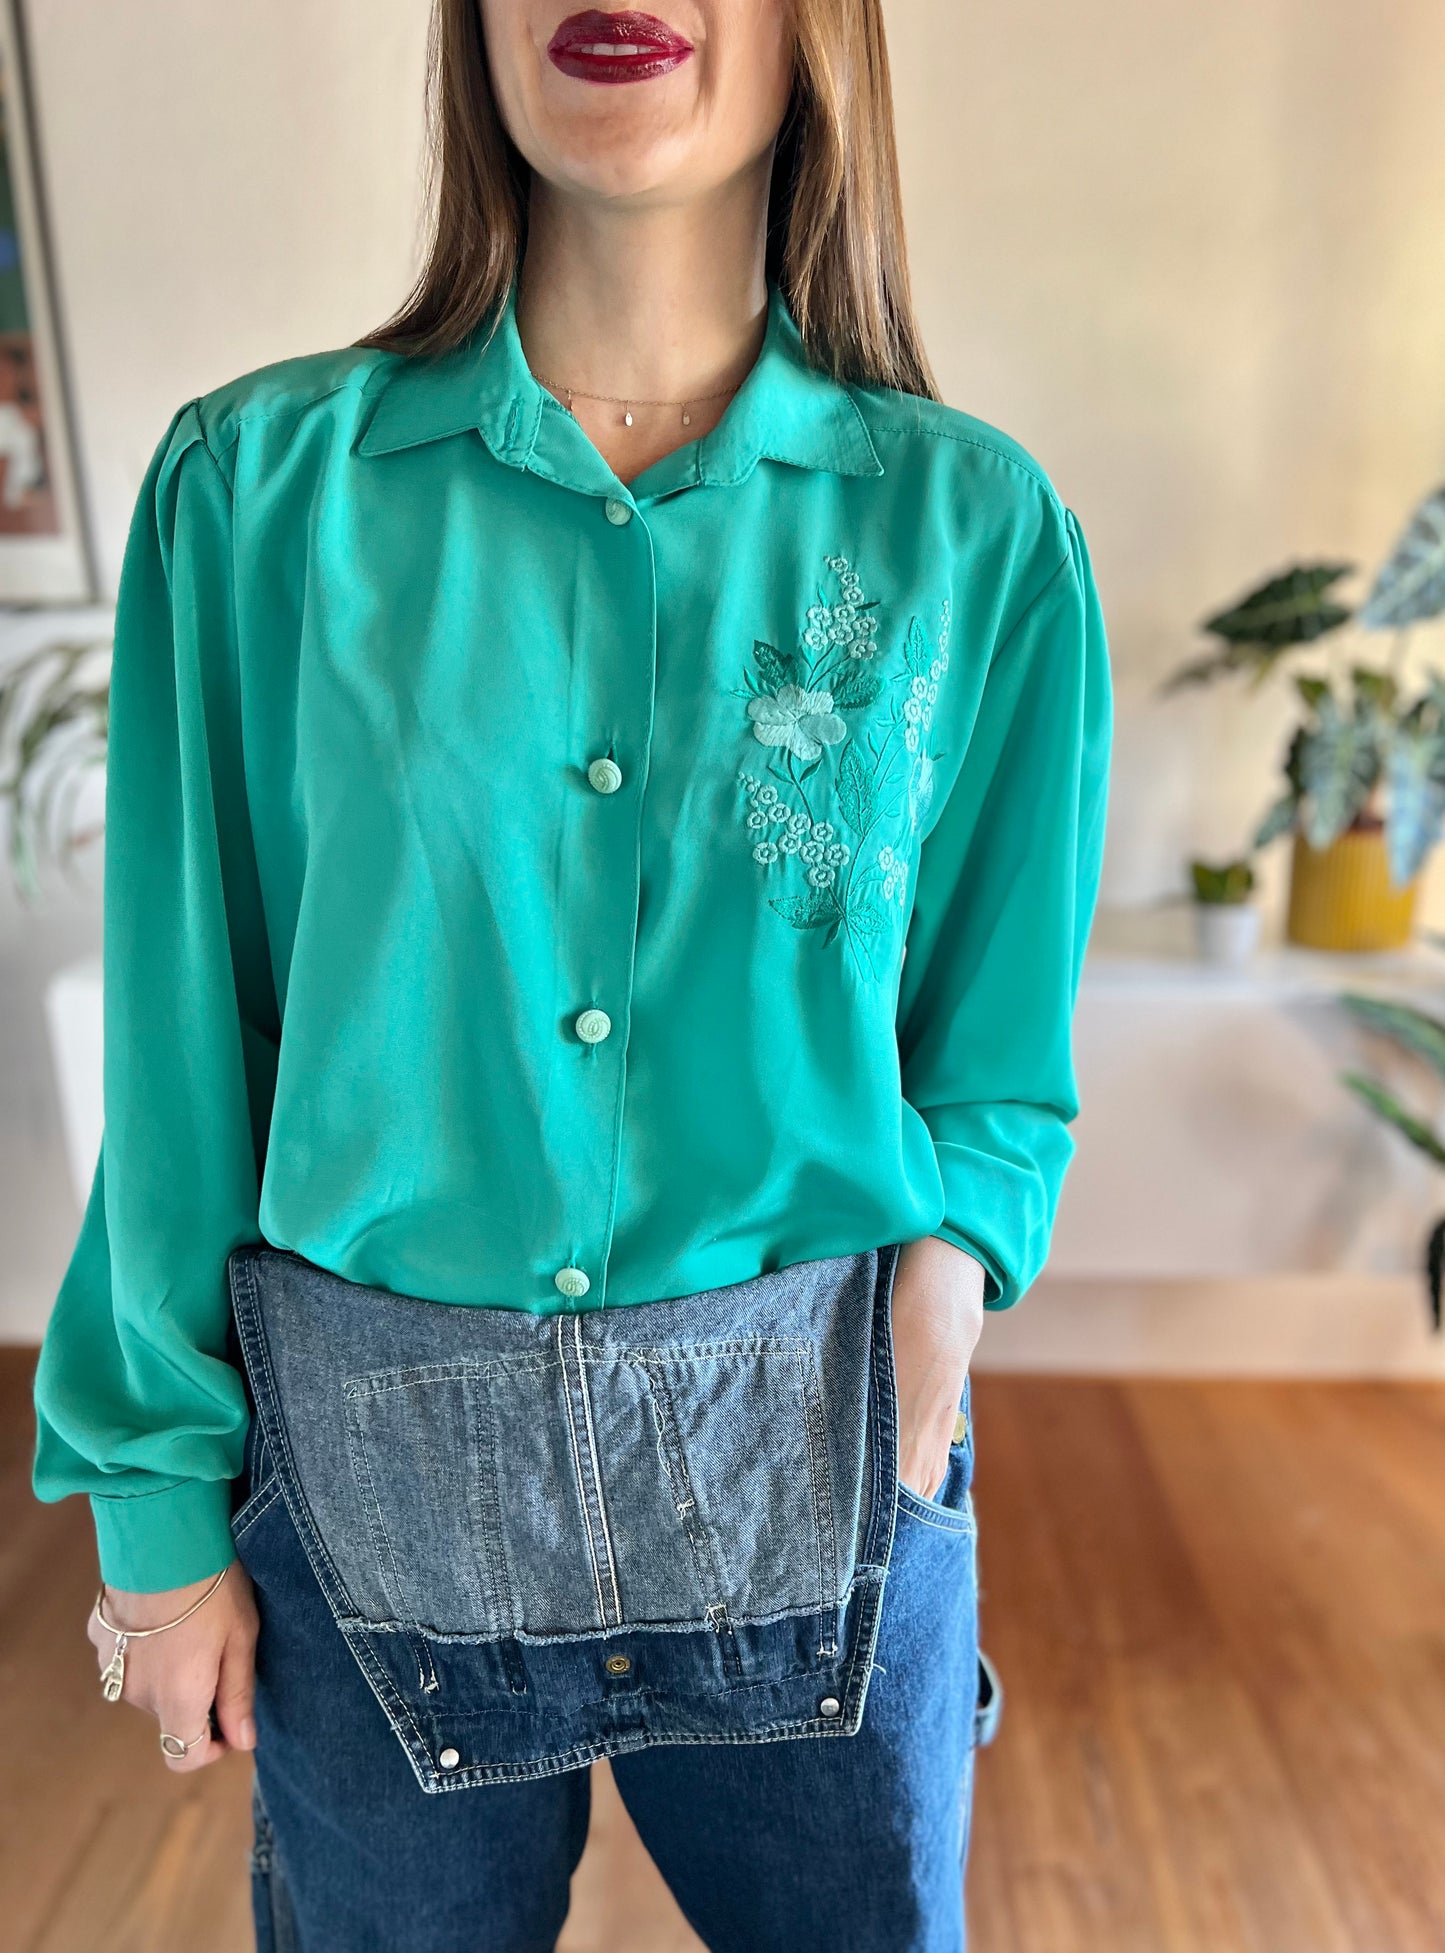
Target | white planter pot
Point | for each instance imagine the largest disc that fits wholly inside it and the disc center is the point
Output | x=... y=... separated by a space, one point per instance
x=1226 y=933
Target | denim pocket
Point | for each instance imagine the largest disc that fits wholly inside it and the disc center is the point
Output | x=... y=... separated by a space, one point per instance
x=596 y=1487
x=258 y=1486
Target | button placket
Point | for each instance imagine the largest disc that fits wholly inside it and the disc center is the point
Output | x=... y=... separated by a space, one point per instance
x=599 y=887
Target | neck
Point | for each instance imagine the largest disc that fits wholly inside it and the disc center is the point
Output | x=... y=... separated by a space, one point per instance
x=666 y=303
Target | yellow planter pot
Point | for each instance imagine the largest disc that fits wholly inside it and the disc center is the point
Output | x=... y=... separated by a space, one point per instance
x=1341 y=897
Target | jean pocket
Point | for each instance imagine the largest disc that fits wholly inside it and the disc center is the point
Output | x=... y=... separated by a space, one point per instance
x=951 y=1506
x=595 y=1487
x=258 y=1485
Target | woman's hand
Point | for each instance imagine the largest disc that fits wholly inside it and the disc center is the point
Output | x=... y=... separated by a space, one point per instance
x=178 y=1675
x=937 y=1319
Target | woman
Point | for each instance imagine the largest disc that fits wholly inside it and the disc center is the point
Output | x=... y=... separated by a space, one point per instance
x=605 y=803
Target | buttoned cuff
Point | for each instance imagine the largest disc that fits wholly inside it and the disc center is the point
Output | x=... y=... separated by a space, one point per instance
x=153 y=1541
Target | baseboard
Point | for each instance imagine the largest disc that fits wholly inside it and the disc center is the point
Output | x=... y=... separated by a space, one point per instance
x=1284 y=1326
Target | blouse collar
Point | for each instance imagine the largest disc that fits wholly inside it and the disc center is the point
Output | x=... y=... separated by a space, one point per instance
x=787 y=409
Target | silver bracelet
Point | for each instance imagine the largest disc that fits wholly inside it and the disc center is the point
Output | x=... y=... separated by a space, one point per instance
x=112 y=1679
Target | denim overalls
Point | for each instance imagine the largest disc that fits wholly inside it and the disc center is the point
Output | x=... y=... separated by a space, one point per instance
x=493 y=1546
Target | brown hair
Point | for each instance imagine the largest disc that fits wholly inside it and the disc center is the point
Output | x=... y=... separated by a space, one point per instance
x=835 y=217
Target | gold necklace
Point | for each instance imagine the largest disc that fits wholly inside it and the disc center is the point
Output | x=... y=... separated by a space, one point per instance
x=612 y=400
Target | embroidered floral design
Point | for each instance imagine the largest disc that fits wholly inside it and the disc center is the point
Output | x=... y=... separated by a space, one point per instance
x=807 y=708
x=804 y=722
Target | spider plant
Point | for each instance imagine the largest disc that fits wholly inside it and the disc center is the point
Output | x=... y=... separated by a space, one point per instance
x=1423 y=1036
x=54 y=716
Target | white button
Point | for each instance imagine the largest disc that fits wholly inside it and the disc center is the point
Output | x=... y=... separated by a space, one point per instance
x=592 y=1026
x=605 y=775
x=830 y=1706
x=449 y=1759
x=617 y=511
x=572 y=1281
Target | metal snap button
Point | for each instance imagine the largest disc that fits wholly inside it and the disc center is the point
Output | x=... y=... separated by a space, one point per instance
x=592 y=1026
x=572 y=1281
x=618 y=1665
x=605 y=775
x=830 y=1706
x=449 y=1759
x=617 y=511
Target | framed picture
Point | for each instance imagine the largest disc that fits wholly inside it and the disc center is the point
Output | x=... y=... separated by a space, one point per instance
x=45 y=550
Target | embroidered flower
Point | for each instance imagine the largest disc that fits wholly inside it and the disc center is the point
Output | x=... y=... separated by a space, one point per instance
x=804 y=722
x=875 y=788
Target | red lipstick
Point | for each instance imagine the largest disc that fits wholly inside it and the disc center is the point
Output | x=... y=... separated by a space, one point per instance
x=597 y=46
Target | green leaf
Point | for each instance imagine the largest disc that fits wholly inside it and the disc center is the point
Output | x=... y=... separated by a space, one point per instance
x=1294 y=608
x=1339 y=763
x=1415 y=810
x=807 y=911
x=1226 y=882
x=1314 y=691
x=1411 y=585
x=916 y=654
x=1281 y=817
x=866 y=918
x=857 y=684
x=775 y=667
x=857 y=793
x=1393 y=1113
x=1413 y=1030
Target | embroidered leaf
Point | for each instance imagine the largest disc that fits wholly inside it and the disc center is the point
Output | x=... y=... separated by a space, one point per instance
x=857 y=793
x=806 y=911
x=776 y=667
x=856 y=685
x=915 y=650
x=867 y=919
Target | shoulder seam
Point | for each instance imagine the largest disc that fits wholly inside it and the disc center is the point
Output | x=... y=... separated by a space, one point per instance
x=243 y=418
x=1031 y=606
x=1033 y=472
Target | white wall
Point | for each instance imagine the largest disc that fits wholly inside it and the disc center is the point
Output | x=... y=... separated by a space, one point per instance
x=1189 y=254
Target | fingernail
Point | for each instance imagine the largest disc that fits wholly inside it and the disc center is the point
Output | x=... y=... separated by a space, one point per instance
x=248 y=1734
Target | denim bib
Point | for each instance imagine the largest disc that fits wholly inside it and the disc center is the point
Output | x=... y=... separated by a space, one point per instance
x=548 y=1539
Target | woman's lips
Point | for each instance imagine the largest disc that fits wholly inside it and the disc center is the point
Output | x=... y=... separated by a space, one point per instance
x=594 y=46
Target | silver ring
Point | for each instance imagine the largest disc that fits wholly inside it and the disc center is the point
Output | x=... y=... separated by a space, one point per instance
x=176 y=1749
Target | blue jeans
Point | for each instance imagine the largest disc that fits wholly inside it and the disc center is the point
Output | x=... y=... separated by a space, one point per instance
x=489 y=1547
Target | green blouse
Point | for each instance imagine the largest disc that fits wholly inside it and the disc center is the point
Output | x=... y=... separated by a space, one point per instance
x=531 y=889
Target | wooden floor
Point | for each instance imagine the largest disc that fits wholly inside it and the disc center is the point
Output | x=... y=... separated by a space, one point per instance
x=1218 y=1609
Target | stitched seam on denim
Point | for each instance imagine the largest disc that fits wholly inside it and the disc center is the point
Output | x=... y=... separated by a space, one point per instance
x=494 y=1541
x=601 y=1490
x=942 y=1518
x=254 y=1509
x=577 y=1465
x=377 y=1382
x=671 y=1452
x=375 y=1518
x=664 y=1352
x=822 y=1489
x=562 y=1760
x=253 y=1334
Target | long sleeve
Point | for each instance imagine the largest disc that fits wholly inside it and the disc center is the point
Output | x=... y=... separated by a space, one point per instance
x=1007 y=882
x=136 y=1402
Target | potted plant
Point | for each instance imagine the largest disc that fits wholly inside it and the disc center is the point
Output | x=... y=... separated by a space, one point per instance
x=1364 y=796
x=1226 y=921
x=54 y=717
x=1423 y=1036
